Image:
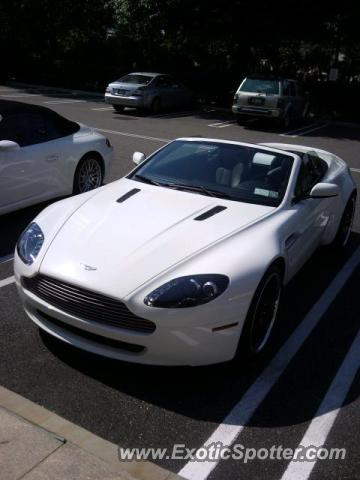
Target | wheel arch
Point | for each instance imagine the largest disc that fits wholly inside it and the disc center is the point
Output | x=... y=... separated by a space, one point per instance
x=94 y=154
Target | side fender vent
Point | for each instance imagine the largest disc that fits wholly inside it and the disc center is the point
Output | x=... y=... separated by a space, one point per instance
x=213 y=211
x=129 y=194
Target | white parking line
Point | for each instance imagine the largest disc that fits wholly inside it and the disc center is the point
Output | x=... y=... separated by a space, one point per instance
x=7 y=281
x=304 y=130
x=356 y=170
x=57 y=102
x=133 y=135
x=222 y=124
x=7 y=258
x=325 y=417
x=19 y=95
x=239 y=416
x=100 y=109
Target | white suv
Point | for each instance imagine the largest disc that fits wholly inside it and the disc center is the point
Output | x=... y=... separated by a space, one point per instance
x=270 y=97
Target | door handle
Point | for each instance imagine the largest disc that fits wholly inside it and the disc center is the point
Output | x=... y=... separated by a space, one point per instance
x=52 y=158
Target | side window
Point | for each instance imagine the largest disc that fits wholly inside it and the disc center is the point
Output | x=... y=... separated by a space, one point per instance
x=311 y=172
x=319 y=165
x=300 y=89
x=162 y=82
x=35 y=129
x=289 y=89
x=286 y=88
x=12 y=128
x=292 y=89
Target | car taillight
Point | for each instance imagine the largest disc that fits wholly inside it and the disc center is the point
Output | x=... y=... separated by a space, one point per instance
x=236 y=96
x=108 y=90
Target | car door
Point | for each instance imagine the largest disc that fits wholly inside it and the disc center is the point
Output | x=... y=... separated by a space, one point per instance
x=309 y=215
x=164 y=91
x=289 y=94
x=181 y=95
x=28 y=174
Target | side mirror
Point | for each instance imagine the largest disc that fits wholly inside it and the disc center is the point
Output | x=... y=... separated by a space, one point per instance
x=324 y=190
x=138 y=157
x=9 y=146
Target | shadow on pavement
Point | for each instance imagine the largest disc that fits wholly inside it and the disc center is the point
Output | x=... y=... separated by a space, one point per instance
x=208 y=393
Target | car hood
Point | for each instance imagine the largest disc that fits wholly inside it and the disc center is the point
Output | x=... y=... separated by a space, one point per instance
x=116 y=247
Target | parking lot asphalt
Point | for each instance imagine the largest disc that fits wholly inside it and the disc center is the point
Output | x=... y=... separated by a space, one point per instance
x=281 y=399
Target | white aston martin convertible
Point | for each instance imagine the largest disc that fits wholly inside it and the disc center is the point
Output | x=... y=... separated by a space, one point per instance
x=43 y=155
x=183 y=261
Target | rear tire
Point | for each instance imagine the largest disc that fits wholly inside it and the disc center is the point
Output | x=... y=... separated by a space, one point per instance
x=262 y=315
x=240 y=120
x=287 y=120
x=156 y=106
x=118 y=108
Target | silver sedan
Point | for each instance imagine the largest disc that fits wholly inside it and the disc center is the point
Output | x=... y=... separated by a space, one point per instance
x=151 y=91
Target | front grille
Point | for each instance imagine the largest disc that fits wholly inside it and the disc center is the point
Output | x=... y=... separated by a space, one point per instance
x=86 y=304
x=110 y=342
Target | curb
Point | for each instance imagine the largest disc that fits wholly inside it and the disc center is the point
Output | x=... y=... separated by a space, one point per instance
x=56 y=89
x=68 y=431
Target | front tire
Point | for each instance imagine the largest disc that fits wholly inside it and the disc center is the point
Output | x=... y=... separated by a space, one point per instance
x=287 y=120
x=156 y=106
x=262 y=314
x=88 y=174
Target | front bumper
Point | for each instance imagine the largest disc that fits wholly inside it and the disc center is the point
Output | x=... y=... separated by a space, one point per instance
x=256 y=111
x=125 y=101
x=170 y=344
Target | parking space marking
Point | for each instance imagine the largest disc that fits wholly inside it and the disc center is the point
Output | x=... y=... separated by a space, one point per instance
x=7 y=281
x=356 y=170
x=7 y=258
x=239 y=416
x=100 y=109
x=19 y=95
x=57 y=102
x=325 y=417
x=133 y=135
x=304 y=130
x=222 y=124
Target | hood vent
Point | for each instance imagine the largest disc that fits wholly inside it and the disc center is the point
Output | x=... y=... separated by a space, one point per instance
x=129 y=194
x=210 y=213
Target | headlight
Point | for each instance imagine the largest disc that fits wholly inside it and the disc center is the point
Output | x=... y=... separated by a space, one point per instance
x=30 y=243
x=188 y=291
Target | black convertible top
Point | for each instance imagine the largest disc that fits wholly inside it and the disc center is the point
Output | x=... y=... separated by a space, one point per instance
x=64 y=125
x=9 y=107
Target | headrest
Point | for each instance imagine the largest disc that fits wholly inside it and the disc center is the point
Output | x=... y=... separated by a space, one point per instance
x=264 y=159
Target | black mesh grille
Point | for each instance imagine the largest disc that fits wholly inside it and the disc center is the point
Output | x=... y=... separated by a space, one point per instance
x=86 y=304
x=129 y=347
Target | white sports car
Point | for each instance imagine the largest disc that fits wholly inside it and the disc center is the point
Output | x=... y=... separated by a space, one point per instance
x=183 y=261
x=43 y=156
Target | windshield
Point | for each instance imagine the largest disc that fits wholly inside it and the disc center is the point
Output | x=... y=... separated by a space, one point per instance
x=136 y=79
x=257 y=85
x=235 y=172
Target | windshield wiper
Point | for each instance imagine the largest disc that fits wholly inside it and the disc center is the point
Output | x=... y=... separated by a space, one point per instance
x=198 y=188
x=145 y=179
x=183 y=186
